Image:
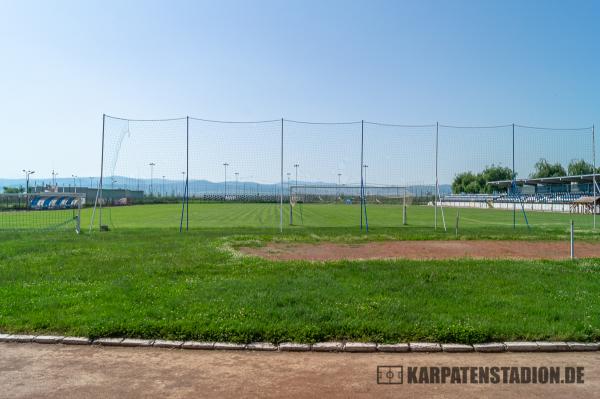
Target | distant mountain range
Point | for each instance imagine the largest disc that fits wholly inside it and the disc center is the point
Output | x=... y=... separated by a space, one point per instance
x=168 y=187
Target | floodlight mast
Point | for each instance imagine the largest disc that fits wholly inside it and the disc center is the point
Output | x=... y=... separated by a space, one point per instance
x=236 y=183
x=225 y=164
x=296 y=166
x=152 y=165
x=54 y=174
x=27 y=174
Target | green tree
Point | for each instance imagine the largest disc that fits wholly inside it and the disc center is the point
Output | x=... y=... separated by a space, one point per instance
x=543 y=168
x=471 y=183
x=494 y=173
x=579 y=167
x=466 y=182
x=13 y=190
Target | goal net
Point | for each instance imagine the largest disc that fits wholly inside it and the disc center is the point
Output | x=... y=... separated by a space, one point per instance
x=344 y=195
x=41 y=211
x=348 y=194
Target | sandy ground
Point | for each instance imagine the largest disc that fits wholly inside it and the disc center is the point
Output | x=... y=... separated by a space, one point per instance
x=425 y=250
x=60 y=371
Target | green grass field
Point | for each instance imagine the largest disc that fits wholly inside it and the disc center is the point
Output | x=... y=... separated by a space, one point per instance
x=145 y=279
x=334 y=220
x=218 y=215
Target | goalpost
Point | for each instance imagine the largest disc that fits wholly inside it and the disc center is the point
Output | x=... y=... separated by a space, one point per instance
x=41 y=211
x=299 y=195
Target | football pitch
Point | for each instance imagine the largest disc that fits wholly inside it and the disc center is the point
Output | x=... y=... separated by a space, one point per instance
x=344 y=218
x=144 y=279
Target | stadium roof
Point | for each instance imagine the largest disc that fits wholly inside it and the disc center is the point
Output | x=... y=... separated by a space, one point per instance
x=587 y=200
x=547 y=180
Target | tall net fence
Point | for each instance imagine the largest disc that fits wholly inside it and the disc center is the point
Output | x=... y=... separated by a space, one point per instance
x=323 y=154
x=400 y=155
x=233 y=165
x=283 y=174
x=144 y=162
x=554 y=153
x=468 y=158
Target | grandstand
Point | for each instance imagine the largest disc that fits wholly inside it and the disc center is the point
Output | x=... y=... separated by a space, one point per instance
x=570 y=194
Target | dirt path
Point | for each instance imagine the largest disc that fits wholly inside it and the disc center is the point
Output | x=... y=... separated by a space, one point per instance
x=425 y=250
x=59 y=371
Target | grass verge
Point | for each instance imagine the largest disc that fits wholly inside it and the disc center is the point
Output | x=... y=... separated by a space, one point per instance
x=157 y=283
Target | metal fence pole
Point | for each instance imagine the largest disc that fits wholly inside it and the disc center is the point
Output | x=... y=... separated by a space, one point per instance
x=404 y=208
x=572 y=241
x=98 y=201
x=457 y=219
x=362 y=124
x=281 y=188
x=594 y=172
x=435 y=198
x=513 y=185
x=187 y=173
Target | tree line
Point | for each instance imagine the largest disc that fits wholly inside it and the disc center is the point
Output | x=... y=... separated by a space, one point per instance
x=476 y=183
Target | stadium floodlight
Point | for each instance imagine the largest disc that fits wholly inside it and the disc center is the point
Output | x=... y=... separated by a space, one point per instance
x=152 y=165
x=54 y=174
x=236 y=182
x=225 y=164
x=74 y=183
x=296 y=165
x=27 y=174
x=164 y=193
x=183 y=174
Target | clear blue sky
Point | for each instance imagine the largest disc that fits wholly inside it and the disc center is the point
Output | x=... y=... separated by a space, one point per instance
x=64 y=64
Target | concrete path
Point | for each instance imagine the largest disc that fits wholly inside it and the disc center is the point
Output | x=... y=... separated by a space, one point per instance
x=62 y=371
